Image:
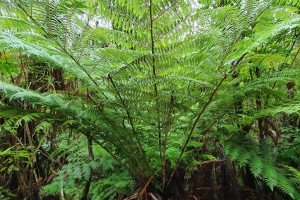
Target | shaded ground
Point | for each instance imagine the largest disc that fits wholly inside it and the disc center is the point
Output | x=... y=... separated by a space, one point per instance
x=218 y=180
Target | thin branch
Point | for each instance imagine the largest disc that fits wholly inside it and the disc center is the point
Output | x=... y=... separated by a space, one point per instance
x=144 y=190
x=152 y=196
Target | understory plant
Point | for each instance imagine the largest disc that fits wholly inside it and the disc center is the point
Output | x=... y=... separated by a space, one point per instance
x=108 y=98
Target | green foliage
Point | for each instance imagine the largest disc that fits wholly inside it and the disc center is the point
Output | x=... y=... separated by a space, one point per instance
x=111 y=186
x=289 y=146
x=9 y=156
x=5 y=194
x=153 y=84
x=261 y=160
x=109 y=179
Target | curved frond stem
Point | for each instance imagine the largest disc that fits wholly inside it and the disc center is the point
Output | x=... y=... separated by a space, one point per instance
x=130 y=150
x=166 y=131
x=102 y=145
x=294 y=59
x=194 y=126
x=123 y=103
x=110 y=153
x=130 y=121
x=154 y=74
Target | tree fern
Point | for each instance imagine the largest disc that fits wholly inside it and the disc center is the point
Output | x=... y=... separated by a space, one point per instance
x=150 y=79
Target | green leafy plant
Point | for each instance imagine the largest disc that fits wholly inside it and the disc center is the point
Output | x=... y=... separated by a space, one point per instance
x=151 y=85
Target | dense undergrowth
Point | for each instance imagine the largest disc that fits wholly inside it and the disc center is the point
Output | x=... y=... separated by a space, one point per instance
x=116 y=99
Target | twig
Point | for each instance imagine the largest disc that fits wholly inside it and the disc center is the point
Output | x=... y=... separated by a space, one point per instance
x=195 y=197
x=152 y=196
x=143 y=191
x=211 y=161
x=133 y=196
